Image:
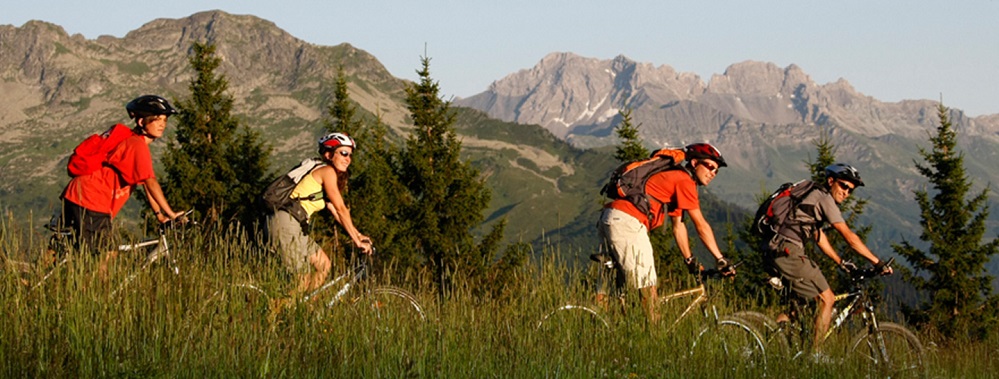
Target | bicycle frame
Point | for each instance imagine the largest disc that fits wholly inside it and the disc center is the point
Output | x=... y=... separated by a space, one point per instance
x=350 y=278
x=700 y=294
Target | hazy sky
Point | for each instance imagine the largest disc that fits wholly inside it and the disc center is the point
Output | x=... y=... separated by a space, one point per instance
x=890 y=50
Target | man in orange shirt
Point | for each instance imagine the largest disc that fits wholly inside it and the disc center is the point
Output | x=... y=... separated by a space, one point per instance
x=91 y=201
x=624 y=229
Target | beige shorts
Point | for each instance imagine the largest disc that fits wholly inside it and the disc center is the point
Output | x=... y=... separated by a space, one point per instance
x=294 y=246
x=627 y=240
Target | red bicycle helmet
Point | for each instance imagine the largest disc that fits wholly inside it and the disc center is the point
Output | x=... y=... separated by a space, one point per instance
x=705 y=151
x=334 y=140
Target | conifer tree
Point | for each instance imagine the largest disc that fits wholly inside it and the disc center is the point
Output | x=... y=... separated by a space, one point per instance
x=631 y=147
x=444 y=197
x=213 y=166
x=951 y=270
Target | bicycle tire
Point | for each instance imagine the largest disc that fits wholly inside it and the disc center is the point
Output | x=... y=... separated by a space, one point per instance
x=391 y=308
x=733 y=341
x=574 y=317
x=904 y=351
x=775 y=335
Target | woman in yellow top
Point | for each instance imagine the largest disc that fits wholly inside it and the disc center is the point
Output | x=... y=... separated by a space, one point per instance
x=297 y=249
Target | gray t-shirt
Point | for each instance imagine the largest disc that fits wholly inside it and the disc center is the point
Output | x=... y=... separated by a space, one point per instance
x=817 y=208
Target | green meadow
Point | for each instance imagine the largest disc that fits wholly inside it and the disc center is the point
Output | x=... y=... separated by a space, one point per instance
x=197 y=323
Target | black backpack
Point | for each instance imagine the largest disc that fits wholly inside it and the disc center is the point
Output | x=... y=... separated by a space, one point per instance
x=627 y=181
x=776 y=212
x=277 y=196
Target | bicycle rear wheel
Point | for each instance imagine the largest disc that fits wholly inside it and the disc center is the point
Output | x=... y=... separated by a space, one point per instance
x=732 y=341
x=891 y=351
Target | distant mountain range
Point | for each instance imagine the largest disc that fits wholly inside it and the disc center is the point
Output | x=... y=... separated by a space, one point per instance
x=541 y=136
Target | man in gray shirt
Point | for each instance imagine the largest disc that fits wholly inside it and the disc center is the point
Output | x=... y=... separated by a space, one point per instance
x=819 y=207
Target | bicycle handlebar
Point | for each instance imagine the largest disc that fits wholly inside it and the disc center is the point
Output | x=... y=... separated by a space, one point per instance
x=715 y=273
x=858 y=276
x=179 y=220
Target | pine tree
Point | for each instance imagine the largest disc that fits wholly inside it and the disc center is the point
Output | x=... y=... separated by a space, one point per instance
x=444 y=197
x=213 y=166
x=631 y=147
x=952 y=270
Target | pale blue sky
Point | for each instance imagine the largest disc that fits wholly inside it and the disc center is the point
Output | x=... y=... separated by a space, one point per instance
x=890 y=50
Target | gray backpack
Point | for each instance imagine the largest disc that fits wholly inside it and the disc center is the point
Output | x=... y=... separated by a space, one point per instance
x=277 y=196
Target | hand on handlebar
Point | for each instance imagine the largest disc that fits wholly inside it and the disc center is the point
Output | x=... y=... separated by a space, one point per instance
x=366 y=246
x=847 y=266
x=724 y=267
x=884 y=267
x=693 y=266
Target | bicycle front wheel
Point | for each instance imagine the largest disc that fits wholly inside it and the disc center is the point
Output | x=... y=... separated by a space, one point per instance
x=732 y=341
x=891 y=351
x=391 y=308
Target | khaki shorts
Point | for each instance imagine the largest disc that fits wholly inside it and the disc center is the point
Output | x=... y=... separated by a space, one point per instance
x=805 y=277
x=292 y=244
x=627 y=241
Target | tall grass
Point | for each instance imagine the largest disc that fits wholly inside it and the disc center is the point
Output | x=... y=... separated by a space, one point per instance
x=169 y=325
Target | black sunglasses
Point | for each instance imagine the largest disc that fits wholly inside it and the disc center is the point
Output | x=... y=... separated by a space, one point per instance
x=711 y=168
x=845 y=187
x=344 y=153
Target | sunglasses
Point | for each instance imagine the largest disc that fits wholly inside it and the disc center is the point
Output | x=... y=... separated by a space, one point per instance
x=845 y=187
x=711 y=168
x=344 y=153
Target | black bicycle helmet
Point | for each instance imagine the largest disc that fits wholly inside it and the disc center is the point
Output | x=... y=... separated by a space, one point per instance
x=149 y=105
x=704 y=151
x=334 y=140
x=845 y=172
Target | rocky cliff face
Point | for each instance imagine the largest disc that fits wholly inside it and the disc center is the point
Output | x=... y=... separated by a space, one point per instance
x=578 y=97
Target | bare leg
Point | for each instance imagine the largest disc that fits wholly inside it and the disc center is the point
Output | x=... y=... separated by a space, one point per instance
x=822 y=317
x=321 y=263
x=105 y=261
x=650 y=297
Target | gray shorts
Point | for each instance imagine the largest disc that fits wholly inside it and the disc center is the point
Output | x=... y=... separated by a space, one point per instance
x=805 y=277
x=293 y=245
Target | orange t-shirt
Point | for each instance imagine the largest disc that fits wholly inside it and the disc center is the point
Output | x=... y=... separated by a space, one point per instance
x=106 y=190
x=674 y=189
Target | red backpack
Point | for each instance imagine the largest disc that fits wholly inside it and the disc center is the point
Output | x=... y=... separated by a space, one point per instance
x=90 y=155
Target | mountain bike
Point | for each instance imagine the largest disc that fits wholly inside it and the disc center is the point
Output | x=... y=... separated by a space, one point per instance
x=732 y=338
x=883 y=348
x=250 y=304
x=60 y=252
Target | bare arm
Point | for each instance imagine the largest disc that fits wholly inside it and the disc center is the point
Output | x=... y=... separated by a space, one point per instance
x=157 y=201
x=680 y=236
x=827 y=248
x=705 y=232
x=334 y=202
x=855 y=243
